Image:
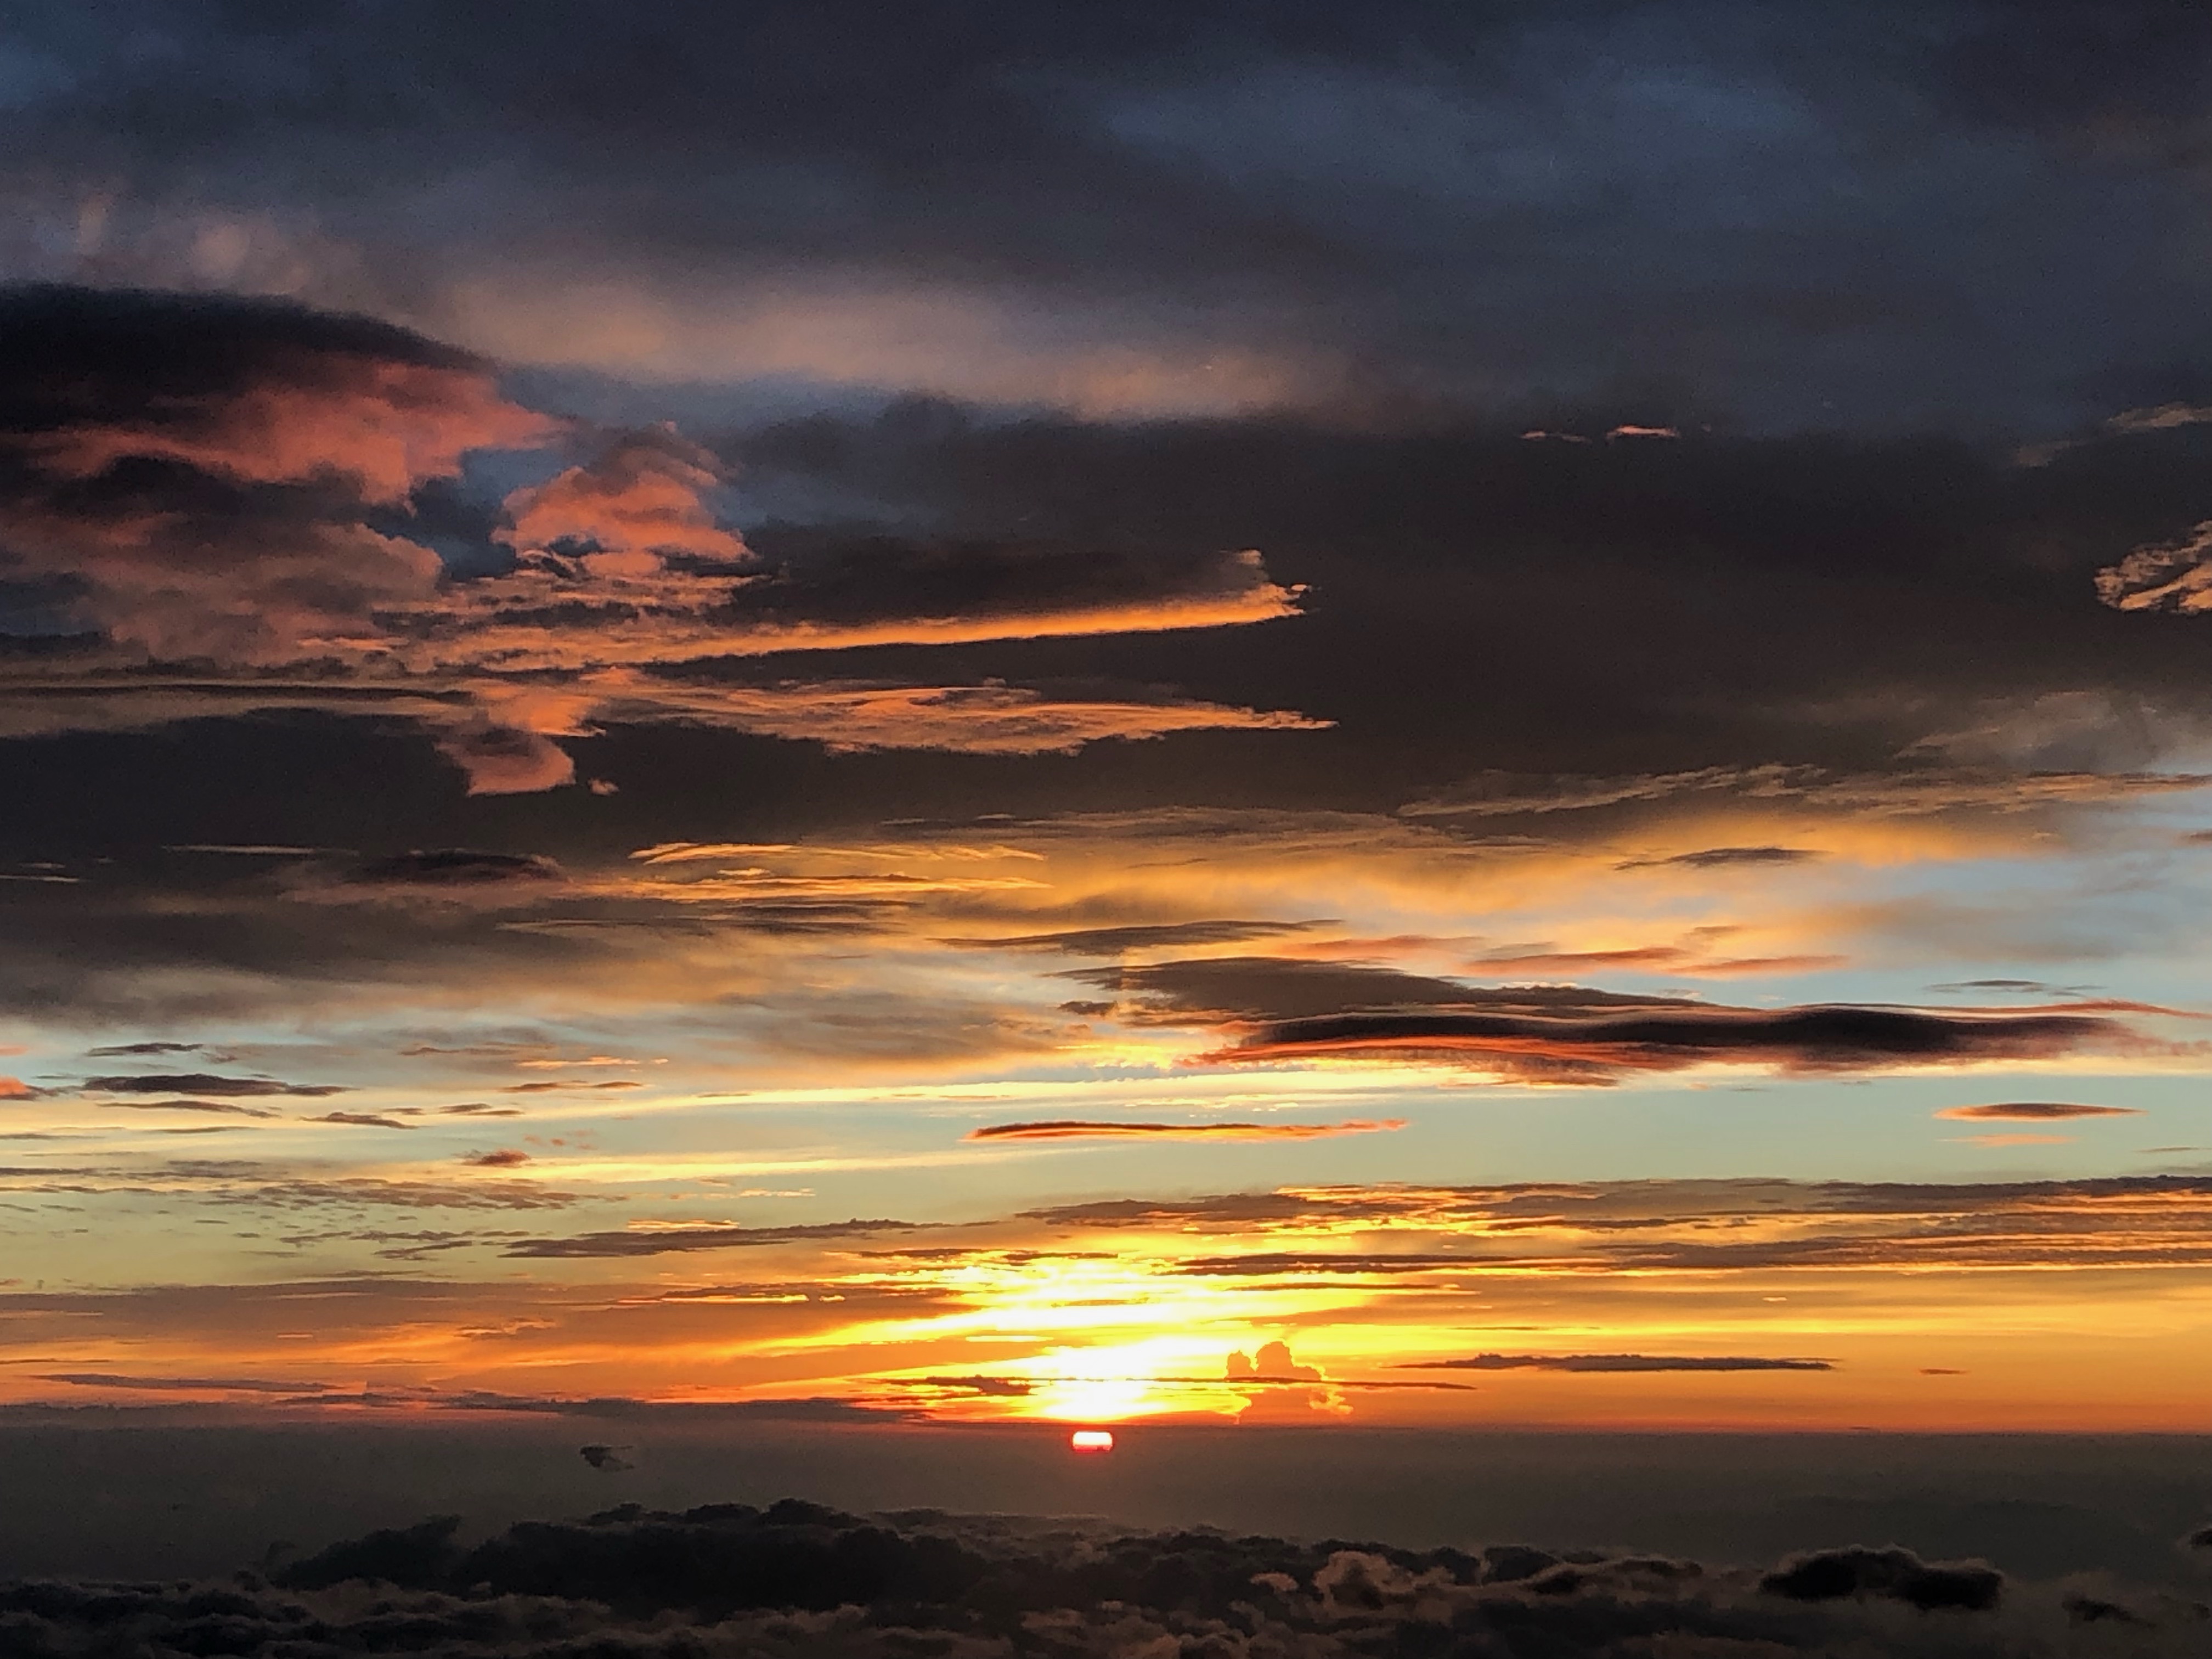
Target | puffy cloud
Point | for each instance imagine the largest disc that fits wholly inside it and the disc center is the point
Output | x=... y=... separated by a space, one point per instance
x=636 y=511
x=196 y=472
x=2163 y=576
x=250 y=390
x=1833 y=1575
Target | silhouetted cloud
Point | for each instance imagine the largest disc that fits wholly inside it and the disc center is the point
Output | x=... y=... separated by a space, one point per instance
x=1896 y=1574
x=1626 y=1363
x=2034 y=1111
x=1724 y=858
x=207 y=1083
x=1603 y=1048
x=229 y=1107
x=450 y=875
x=1296 y=1010
x=181 y=1384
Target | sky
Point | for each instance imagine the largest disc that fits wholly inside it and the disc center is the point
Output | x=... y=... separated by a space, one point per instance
x=1447 y=717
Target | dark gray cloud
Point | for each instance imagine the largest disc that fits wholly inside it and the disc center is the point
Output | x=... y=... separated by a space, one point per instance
x=206 y=1083
x=1280 y=1008
x=453 y=867
x=180 y=1384
x=1603 y=1048
x=1211 y=990
x=1834 y=1574
x=1722 y=857
x=1881 y=213
x=229 y=1107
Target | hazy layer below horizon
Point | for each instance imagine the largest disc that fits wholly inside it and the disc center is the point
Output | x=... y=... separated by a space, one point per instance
x=137 y=1499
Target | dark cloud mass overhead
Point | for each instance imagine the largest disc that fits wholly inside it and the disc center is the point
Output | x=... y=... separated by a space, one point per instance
x=1882 y=215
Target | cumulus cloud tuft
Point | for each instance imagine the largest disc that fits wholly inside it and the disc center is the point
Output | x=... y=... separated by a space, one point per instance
x=1898 y=1574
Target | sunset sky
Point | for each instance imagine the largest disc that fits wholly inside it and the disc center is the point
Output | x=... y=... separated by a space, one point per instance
x=1457 y=716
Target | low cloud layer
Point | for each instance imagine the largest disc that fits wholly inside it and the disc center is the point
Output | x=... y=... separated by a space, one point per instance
x=798 y=1578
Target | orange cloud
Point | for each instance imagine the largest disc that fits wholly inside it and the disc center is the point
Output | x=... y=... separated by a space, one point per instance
x=991 y=719
x=2162 y=576
x=629 y=512
x=383 y=424
x=587 y=612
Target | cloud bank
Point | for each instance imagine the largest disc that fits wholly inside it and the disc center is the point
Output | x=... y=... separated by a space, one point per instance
x=795 y=1579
